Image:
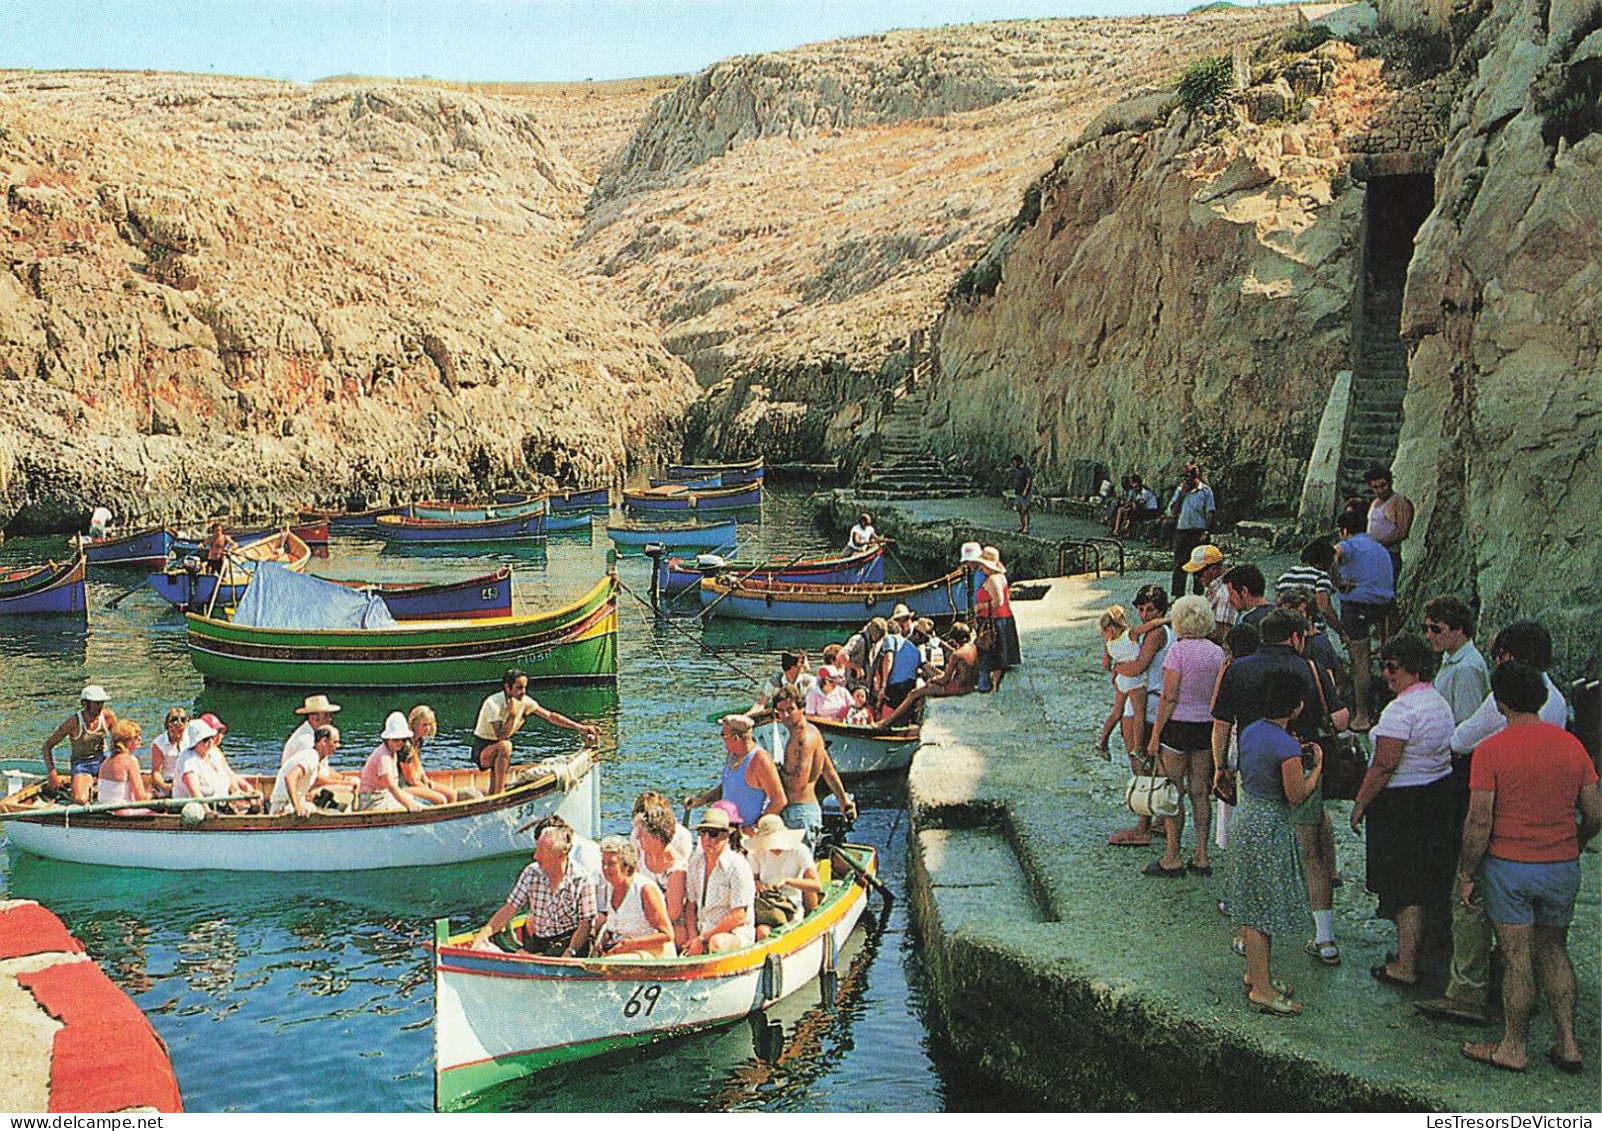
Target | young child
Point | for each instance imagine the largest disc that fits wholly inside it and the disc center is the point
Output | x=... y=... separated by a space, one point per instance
x=859 y=715
x=1129 y=691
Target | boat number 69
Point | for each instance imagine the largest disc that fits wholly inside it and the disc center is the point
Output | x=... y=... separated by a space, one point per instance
x=643 y=997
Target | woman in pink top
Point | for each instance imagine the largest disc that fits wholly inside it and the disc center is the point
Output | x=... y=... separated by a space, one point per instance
x=380 y=786
x=1183 y=733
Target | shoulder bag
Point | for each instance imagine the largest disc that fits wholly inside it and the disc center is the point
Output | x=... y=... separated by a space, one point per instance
x=1344 y=762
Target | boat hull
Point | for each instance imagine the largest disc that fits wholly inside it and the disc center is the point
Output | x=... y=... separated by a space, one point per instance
x=477 y=598
x=677 y=575
x=343 y=842
x=347 y=521
x=421 y=531
x=943 y=599
x=575 y=520
x=862 y=752
x=453 y=512
x=672 y=500
x=144 y=549
x=47 y=590
x=577 y=643
x=501 y=1017
x=730 y=474
x=713 y=536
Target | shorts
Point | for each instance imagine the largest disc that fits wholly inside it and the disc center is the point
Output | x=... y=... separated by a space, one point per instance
x=1185 y=737
x=1517 y=892
x=90 y=768
x=1021 y=502
x=896 y=694
x=479 y=746
x=806 y=815
x=1359 y=617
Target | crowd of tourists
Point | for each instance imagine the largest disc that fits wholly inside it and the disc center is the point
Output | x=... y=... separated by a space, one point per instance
x=1475 y=799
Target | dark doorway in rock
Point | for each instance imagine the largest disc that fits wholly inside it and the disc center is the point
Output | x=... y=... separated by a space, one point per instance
x=1393 y=210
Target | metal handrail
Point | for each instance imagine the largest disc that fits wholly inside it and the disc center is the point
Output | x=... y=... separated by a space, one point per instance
x=1088 y=548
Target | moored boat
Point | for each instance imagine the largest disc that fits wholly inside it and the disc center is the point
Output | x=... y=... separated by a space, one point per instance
x=943 y=599
x=700 y=483
x=51 y=589
x=190 y=588
x=710 y=536
x=679 y=575
x=298 y=631
x=586 y=499
x=501 y=1016
x=678 y=497
x=346 y=521
x=475 y=512
x=863 y=752
x=569 y=521
x=732 y=474
x=523 y=527
x=472 y=829
x=477 y=598
x=314 y=534
x=142 y=549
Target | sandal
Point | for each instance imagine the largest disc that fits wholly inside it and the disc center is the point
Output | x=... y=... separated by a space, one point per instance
x=1238 y=945
x=1280 y=988
x=1281 y=1006
x=1155 y=868
x=1485 y=1053
x=1326 y=952
x=1382 y=974
x=1200 y=869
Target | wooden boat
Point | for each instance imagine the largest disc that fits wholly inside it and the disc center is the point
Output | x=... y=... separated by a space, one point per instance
x=192 y=589
x=577 y=642
x=733 y=474
x=565 y=523
x=943 y=599
x=477 y=598
x=143 y=549
x=501 y=1016
x=53 y=588
x=474 y=512
x=346 y=521
x=571 y=501
x=701 y=483
x=711 y=536
x=312 y=533
x=516 y=528
x=678 y=575
x=677 y=497
x=862 y=752
x=324 y=842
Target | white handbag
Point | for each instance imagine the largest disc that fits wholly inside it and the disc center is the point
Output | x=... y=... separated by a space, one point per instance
x=1152 y=796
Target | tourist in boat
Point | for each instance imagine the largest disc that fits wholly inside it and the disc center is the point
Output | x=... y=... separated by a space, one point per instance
x=861 y=651
x=197 y=775
x=662 y=858
x=994 y=621
x=315 y=711
x=722 y=890
x=305 y=771
x=164 y=752
x=863 y=536
x=217 y=546
x=959 y=677
x=806 y=759
x=750 y=781
x=224 y=773
x=792 y=674
x=634 y=916
x=787 y=883
x=86 y=732
x=1181 y=742
x=681 y=838
x=414 y=777
x=828 y=698
x=121 y=779
x=1406 y=799
x=502 y=715
x=1267 y=898
x=896 y=673
x=100 y=521
x=560 y=900
x=860 y=715
x=380 y=786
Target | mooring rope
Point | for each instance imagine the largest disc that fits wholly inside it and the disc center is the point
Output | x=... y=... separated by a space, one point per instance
x=703 y=645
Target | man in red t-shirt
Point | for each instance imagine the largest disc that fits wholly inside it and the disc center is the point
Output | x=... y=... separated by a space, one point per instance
x=1524 y=785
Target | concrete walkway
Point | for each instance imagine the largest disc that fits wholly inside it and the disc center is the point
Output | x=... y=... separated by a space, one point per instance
x=1059 y=968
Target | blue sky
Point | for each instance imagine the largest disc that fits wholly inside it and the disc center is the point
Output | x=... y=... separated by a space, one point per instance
x=487 y=40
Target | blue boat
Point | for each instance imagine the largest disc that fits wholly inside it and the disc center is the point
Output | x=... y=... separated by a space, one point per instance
x=681 y=499
x=475 y=512
x=732 y=474
x=143 y=549
x=403 y=530
x=713 y=536
x=598 y=499
x=575 y=520
x=945 y=598
x=679 y=575
x=191 y=589
x=347 y=521
x=46 y=590
x=704 y=483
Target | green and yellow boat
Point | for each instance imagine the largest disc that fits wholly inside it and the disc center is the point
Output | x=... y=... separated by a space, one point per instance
x=576 y=643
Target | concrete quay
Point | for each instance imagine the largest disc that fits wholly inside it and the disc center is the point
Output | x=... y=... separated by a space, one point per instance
x=1062 y=973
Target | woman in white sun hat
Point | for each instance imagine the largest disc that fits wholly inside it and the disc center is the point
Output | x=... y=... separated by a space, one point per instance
x=380 y=785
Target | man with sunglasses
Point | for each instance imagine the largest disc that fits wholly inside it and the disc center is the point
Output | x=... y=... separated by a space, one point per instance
x=1463 y=681
x=720 y=888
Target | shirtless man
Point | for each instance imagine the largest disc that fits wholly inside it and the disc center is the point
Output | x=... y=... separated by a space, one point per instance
x=86 y=732
x=960 y=676
x=806 y=759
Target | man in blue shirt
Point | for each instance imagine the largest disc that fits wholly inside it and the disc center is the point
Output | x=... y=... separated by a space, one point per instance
x=1193 y=507
x=1364 y=575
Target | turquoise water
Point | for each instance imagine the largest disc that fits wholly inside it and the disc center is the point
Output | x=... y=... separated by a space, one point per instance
x=312 y=993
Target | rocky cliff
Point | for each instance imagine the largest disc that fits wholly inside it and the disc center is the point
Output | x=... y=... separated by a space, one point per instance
x=1184 y=290
x=238 y=293
x=1503 y=415
x=791 y=221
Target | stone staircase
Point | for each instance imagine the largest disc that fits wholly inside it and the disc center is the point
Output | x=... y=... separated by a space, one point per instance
x=1379 y=382
x=906 y=467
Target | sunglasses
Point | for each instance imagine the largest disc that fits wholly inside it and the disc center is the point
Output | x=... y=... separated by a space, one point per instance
x=1391 y=667
x=714 y=834
x=1432 y=628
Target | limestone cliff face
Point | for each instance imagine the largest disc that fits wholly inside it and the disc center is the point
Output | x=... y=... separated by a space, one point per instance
x=247 y=293
x=791 y=221
x=1181 y=293
x=1503 y=415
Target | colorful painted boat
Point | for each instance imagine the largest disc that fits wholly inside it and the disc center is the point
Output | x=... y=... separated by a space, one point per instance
x=578 y=499
x=701 y=483
x=477 y=598
x=143 y=549
x=577 y=642
x=678 y=498
x=498 y=1016
x=314 y=534
x=326 y=842
x=475 y=512
x=56 y=588
x=711 y=536
x=426 y=531
x=733 y=474
x=678 y=575
x=943 y=599
x=346 y=521
x=192 y=589
x=567 y=522
x=862 y=752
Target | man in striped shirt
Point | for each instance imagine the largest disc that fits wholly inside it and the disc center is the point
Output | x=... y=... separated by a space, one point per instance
x=1313 y=575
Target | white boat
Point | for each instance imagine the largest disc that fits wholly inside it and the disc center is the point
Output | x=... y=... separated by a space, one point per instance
x=863 y=752
x=323 y=842
x=501 y=1016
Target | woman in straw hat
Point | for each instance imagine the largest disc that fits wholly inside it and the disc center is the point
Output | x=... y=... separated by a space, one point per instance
x=787 y=883
x=995 y=627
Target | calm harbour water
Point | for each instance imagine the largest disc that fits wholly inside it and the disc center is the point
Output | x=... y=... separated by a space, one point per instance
x=312 y=993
